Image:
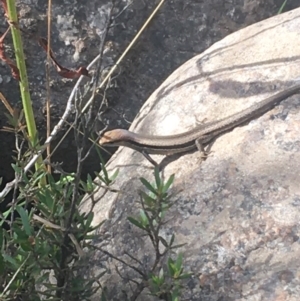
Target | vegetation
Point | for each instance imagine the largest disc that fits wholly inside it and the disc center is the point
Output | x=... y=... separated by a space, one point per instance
x=45 y=239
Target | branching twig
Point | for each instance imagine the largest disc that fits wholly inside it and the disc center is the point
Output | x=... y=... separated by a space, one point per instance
x=122 y=261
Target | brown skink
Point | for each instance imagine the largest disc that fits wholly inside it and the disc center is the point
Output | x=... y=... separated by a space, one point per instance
x=197 y=138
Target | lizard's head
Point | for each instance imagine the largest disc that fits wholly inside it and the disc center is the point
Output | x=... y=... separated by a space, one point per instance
x=114 y=137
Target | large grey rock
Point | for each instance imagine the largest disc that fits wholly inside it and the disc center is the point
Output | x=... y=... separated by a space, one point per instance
x=239 y=210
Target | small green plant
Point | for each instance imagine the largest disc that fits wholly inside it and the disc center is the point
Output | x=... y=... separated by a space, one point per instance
x=167 y=285
x=45 y=241
x=164 y=282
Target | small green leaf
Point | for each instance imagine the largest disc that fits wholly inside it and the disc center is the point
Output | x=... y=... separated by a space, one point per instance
x=144 y=218
x=178 y=263
x=185 y=276
x=114 y=176
x=16 y=168
x=172 y=240
x=154 y=279
x=105 y=179
x=162 y=213
x=149 y=201
x=12 y=120
x=25 y=219
x=48 y=200
x=19 y=234
x=89 y=184
x=169 y=183
x=136 y=223
x=89 y=219
x=148 y=186
x=171 y=266
x=164 y=242
x=97 y=174
x=4 y=216
x=11 y=260
x=25 y=245
x=97 y=226
x=65 y=179
x=177 y=246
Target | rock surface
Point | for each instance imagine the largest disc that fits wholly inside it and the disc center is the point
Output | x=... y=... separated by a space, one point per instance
x=238 y=211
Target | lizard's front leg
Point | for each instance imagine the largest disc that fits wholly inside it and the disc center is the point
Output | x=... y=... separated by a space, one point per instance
x=203 y=154
x=147 y=156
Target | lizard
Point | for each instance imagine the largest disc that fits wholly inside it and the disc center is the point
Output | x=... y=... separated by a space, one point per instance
x=196 y=138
